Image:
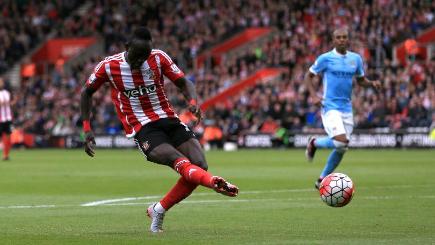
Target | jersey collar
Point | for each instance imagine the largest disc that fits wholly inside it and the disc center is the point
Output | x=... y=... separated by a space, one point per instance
x=337 y=53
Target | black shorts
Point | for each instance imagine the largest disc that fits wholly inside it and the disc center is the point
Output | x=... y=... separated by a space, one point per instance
x=165 y=130
x=5 y=127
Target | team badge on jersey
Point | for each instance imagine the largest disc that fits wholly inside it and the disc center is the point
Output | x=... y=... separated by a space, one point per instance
x=352 y=63
x=149 y=74
x=145 y=145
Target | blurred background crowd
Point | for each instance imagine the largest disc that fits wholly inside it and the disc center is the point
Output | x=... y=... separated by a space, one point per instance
x=48 y=104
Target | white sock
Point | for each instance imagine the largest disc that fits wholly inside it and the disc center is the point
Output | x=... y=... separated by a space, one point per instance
x=159 y=208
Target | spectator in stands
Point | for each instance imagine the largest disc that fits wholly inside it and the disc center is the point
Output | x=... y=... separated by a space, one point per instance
x=24 y=24
x=417 y=114
x=213 y=134
x=270 y=126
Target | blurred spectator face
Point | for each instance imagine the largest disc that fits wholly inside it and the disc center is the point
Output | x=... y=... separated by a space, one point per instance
x=138 y=52
x=341 y=39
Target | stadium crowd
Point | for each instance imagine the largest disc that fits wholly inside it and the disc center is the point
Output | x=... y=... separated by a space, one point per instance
x=24 y=24
x=48 y=104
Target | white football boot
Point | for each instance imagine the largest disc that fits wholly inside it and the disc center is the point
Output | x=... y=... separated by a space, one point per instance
x=156 y=219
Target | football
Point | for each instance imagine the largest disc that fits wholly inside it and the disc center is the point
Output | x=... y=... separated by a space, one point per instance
x=336 y=190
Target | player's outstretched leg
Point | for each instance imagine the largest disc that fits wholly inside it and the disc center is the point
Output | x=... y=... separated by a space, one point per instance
x=192 y=176
x=167 y=155
x=197 y=175
x=193 y=151
x=156 y=211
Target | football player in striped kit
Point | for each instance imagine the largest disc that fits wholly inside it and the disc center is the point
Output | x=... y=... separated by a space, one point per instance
x=137 y=90
x=5 y=118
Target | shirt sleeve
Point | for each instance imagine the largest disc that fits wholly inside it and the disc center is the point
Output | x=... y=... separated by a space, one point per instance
x=98 y=77
x=359 y=67
x=169 y=68
x=319 y=65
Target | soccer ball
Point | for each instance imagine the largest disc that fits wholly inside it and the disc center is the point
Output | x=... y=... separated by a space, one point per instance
x=336 y=190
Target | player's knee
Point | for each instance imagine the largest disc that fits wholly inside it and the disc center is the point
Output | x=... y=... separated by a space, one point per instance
x=341 y=146
x=341 y=138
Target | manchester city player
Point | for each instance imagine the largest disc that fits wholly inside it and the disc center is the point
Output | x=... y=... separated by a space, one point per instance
x=337 y=67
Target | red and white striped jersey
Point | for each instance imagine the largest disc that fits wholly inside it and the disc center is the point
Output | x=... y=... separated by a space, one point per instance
x=5 y=106
x=139 y=96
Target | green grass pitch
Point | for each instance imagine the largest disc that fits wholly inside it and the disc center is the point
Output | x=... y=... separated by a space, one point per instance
x=43 y=195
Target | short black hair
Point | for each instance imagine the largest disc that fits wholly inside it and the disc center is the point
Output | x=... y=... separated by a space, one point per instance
x=142 y=33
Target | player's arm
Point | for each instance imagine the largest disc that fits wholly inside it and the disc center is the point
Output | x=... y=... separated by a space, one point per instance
x=318 y=67
x=94 y=82
x=309 y=82
x=187 y=88
x=171 y=71
x=363 y=81
x=85 y=108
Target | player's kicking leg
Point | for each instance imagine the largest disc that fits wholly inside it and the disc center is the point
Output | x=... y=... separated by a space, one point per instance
x=192 y=149
x=156 y=211
x=192 y=176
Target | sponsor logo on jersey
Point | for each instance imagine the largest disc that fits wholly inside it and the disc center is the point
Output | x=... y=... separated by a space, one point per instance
x=140 y=91
x=344 y=74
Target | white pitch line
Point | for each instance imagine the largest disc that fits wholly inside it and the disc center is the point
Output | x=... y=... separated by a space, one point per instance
x=28 y=206
x=269 y=200
x=116 y=202
x=218 y=201
x=102 y=202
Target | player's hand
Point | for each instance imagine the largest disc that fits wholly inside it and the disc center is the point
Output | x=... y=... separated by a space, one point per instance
x=376 y=85
x=317 y=101
x=90 y=143
x=196 y=111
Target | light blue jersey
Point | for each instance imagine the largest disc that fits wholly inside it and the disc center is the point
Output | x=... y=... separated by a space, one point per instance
x=338 y=71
